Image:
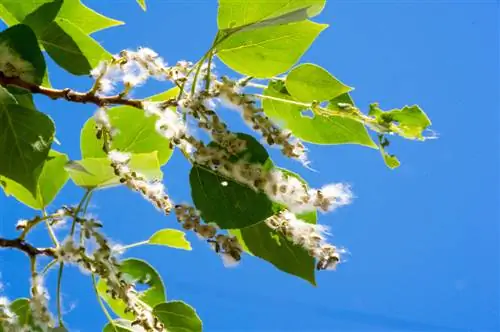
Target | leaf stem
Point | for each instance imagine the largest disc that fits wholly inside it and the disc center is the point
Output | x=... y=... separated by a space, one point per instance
x=133 y=245
x=77 y=210
x=58 y=294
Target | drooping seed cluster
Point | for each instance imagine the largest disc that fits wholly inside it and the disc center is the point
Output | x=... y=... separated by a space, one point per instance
x=309 y=236
x=12 y=65
x=291 y=147
x=101 y=260
x=154 y=191
x=226 y=246
x=39 y=304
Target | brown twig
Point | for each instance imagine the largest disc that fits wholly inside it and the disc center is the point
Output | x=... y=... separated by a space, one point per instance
x=70 y=95
x=29 y=249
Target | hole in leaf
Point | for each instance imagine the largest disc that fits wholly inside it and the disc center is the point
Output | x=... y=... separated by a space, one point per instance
x=307 y=114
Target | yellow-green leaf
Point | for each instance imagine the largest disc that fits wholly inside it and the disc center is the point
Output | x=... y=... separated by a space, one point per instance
x=170 y=238
x=268 y=51
x=97 y=172
x=309 y=82
x=52 y=179
x=314 y=128
x=238 y=13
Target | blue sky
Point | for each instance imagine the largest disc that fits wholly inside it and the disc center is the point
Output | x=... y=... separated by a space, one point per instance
x=424 y=239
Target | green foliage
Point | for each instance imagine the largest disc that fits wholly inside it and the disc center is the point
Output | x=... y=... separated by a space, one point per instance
x=22 y=40
x=63 y=29
x=268 y=51
x=51 y=180
x=260 y=39
x=97 y=173
x=261 y=241
x=178 y=316
x=321 y=128
x=234 y=14
x=309 y=82
x=26 y=137
x=138 y=272
x=136 y=132
x=411 y=119
x=171 y=238
x=224 y=201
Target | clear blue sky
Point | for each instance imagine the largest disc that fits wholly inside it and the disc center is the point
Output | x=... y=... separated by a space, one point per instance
x=424 y=238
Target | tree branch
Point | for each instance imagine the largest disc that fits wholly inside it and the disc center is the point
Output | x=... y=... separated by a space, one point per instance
x=70 y=95
x=29 y=249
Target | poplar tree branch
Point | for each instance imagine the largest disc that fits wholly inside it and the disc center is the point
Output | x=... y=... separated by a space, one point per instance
x=71 y=95
x=29 y=249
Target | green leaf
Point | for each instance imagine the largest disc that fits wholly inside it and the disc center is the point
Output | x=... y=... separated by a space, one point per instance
x=269 y=51
x=23 y=43
x=308 y=82
x=39 y=19
x=119 y=325
x=170 y=238
x=25 y=139
x=23 y=98
x=226 y=202
x=13 y=12
x=390 y=160
x=178 y=316
x=319 y=129
x=71 y=48
x=52 y=179
x=21 y=307
x=412 y=120
x=136 y=133
x=93 y=173
x=238 y=13
x=138 y=272
x=142 y=3
x=261 y=241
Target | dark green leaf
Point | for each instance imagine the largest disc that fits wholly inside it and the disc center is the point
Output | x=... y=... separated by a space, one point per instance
x=52 y=179
x=319 y=129
x=239 y=13
x=20 y=48
x=261 y=241
x=177 y=316
x=308 y=82
x=268 y=51
x=71 y=48
x=94 y=173
x=171 y=238
x=226 y=202
x=25 y=139
x=136 y=271
x=39 y=19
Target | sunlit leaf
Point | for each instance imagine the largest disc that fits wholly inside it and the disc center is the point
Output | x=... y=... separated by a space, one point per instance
x=97 y=172
x=136 y=132
x=52 y=179
x=13 y=12
x=268 y=51
x=238 y=13
x=308 y=82
x=178 y=316
x=142 y=3
x=138 y=272
x=41 y=18
x=314 y=128
x=171 y=238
